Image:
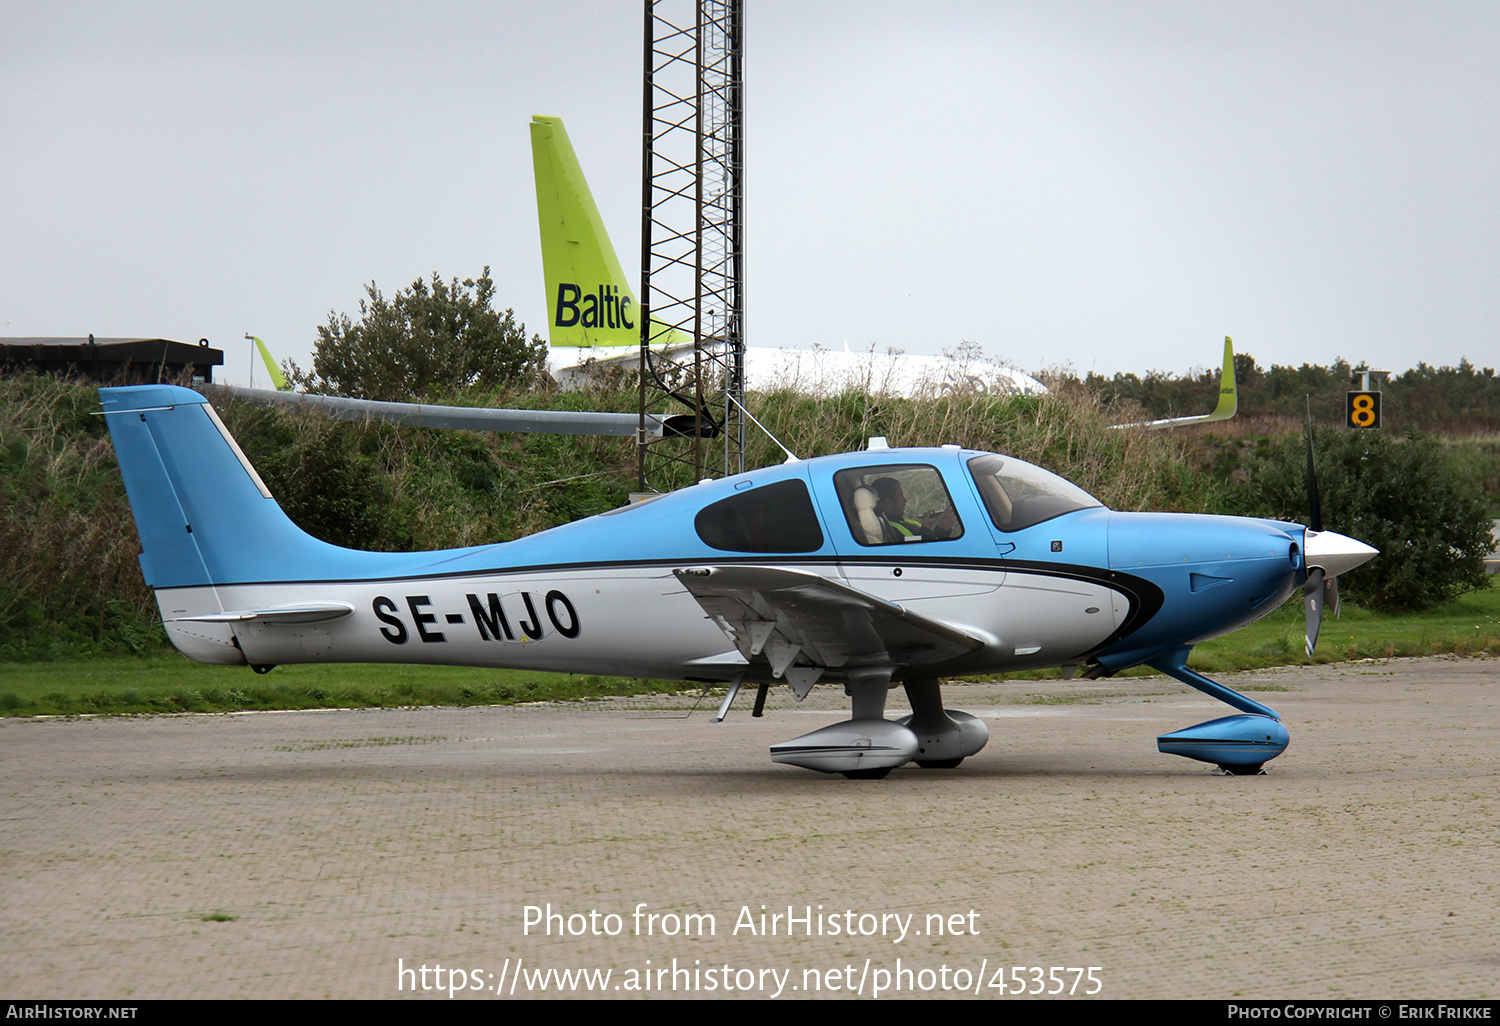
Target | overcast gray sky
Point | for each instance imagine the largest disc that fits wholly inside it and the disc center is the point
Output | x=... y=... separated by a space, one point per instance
x=1108 y=184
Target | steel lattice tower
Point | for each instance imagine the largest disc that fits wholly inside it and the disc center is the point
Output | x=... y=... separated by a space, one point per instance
x=692 y=236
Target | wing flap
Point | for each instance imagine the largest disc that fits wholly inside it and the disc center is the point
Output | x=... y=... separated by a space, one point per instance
x=800 y=622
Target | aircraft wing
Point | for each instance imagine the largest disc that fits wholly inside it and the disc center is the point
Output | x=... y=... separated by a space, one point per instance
x=803 y=624
x=469 y=418
x=1229 y=398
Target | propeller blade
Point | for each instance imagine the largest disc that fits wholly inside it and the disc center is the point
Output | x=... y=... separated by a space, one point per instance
x=1327 y=554
x=1314 y=504
x=1312 y=606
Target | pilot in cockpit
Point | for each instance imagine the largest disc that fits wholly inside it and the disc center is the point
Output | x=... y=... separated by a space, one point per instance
x=891 y=507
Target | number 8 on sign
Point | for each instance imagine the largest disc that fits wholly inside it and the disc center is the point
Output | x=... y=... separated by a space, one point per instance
x=1362 y=409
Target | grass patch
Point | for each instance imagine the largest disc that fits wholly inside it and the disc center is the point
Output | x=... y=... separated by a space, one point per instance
x=1467 y=626
x=361 y=742
x=171 y=683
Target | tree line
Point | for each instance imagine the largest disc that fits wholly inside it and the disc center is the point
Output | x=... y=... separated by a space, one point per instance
x=1462 y=400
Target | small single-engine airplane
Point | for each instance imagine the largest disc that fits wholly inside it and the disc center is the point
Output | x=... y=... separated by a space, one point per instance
x=866 y=570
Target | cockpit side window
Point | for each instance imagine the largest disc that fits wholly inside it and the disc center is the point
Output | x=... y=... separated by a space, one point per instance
x=776 y=518
x=1019 y=495
x=897 y=503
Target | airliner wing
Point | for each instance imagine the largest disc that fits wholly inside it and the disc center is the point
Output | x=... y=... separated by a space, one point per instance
x=470 y=418
x=805 y=624
x=1228 y=398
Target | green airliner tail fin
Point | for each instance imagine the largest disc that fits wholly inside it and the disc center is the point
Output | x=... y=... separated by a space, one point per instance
x=590 y=302
x=277 y=377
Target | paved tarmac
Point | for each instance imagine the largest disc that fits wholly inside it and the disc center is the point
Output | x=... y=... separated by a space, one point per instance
x=339 y=854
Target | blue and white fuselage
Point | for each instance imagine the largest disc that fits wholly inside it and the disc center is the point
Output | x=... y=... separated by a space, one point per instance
x=867 y=569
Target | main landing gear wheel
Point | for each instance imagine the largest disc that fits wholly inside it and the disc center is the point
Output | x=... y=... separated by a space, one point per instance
x=869 y=746
x=1243 y=771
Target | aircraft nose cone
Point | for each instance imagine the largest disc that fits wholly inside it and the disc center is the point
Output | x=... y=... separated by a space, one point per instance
x=1336 y=553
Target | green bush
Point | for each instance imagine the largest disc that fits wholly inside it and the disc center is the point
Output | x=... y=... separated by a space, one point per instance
x=69 y=580
x=430 y=339
x=1403 y=495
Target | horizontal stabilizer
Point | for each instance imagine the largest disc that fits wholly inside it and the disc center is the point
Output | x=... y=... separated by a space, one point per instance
x=307 y=612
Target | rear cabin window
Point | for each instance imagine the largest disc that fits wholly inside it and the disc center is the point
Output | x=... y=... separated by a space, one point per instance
x=776 y=518
x=896 y=504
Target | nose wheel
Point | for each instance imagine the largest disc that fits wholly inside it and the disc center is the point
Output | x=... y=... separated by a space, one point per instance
x=1239 y=745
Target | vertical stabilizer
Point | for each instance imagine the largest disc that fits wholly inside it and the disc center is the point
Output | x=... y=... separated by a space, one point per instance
x=204 y=516
x=278 y=379
x=590 y=302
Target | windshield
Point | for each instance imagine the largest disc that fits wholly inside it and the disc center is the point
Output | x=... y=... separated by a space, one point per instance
x=1019 y=495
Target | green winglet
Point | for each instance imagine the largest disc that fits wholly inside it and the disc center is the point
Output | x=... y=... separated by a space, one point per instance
x=589 y=300
x=1229 y=399
x=1229 y=396
x=276 y=376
